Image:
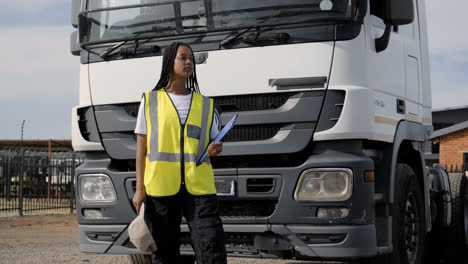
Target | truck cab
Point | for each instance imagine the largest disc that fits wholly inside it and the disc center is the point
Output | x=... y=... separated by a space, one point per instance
x=334 y=106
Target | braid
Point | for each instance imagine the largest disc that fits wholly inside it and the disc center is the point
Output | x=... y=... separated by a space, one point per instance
x=168 y=64
x=193 y=81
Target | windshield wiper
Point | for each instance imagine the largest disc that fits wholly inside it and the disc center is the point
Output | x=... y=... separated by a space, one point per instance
x=108 y=51
x=250 y=40
x=154 y=48
x=254 y=38
x=279 y=38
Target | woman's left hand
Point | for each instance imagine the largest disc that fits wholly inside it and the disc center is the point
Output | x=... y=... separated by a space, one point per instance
x=215 y=148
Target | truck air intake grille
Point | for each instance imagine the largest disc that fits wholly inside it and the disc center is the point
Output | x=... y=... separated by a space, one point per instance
x=252 y=102
x=248 y=208
x=255 y=132
x=83 y=123
x=260 y=185
x=331 y=111
x=87 y=124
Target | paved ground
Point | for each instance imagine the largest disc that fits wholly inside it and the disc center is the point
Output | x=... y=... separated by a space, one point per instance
x=53 y=239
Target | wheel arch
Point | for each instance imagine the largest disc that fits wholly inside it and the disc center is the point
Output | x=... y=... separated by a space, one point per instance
x=408 y=148
x=411 y=157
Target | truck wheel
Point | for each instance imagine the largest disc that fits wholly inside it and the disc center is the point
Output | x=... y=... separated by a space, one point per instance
x=456 y=233
x=188 y=259
x=139 y=259
x=408 y=218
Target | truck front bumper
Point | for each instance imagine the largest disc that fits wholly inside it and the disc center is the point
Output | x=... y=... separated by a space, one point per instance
x=322 y=242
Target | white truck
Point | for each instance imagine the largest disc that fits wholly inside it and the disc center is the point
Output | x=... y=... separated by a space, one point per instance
x=326 y=159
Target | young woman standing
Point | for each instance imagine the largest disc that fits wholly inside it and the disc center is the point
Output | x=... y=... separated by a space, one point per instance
x=173 y=130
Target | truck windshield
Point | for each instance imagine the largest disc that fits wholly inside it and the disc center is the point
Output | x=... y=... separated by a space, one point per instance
x=112 y=20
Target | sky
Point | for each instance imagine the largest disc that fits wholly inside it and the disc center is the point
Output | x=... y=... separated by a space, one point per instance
x=39 y=77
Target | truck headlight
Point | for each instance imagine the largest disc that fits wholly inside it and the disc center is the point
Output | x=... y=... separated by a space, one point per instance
x=324 y=185
x=96 y=188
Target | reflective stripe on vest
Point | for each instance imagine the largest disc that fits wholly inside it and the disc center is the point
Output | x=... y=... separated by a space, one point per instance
x=164 y=160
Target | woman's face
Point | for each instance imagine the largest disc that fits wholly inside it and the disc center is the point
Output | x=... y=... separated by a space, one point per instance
x=183 y=62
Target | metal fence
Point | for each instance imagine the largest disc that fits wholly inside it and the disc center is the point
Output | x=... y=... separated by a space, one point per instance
x=31 y=183
x=456 y=169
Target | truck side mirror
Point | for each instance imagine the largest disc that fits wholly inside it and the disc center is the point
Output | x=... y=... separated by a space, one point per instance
x=401 y=12
x=74 y=45
x=82 y=28
x=395 y=13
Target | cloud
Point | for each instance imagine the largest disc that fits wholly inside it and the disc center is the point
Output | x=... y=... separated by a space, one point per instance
x=448 y=49
x=28 y=6
x=449 y=82
x=38 y=81
x=23 y=13
x=37 y=55
x=449 y=88
x=447 y=32
x=45 y=118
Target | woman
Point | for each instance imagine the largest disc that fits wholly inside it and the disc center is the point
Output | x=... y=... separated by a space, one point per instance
x=173 y=129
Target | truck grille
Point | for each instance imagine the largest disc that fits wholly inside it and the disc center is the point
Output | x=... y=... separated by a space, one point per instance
x=231 y=103
x=260 y=185
x=247 y=208
x=228 y=207
x=251 y=133
x=252 y=102
x=275 y=120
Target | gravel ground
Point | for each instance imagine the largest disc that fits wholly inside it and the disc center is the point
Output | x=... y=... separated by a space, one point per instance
x=53 y=239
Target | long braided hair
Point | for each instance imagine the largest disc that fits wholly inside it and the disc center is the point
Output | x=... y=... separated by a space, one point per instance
x=168 y=64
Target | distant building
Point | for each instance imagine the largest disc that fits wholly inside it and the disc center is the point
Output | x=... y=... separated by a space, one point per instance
x=450 y=138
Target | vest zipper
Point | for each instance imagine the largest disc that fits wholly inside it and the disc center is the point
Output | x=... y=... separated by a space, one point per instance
x=182 y=154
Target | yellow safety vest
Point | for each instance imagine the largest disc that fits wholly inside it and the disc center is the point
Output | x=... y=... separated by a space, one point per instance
x=167 y=139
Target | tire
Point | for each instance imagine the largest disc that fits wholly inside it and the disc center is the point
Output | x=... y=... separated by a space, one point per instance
x=456 y=233
x=188 y=259
x=408 y=227
x=139 y=259
x=433 y=246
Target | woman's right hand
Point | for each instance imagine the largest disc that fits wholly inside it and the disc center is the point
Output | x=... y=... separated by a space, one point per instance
x=138 y=199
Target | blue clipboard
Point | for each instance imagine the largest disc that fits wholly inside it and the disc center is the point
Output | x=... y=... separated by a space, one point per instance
x=220 y=136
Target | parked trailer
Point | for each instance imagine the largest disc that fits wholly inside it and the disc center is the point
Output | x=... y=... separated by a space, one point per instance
x=326 y=160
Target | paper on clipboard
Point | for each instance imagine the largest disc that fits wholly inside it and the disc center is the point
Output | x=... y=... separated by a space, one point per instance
x=220 y=136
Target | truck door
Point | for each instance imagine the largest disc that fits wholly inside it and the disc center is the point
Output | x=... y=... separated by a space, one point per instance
x=386 y=70
x=410 y=36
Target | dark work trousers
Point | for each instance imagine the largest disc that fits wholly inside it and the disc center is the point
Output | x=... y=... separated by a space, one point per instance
x=163 y=216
